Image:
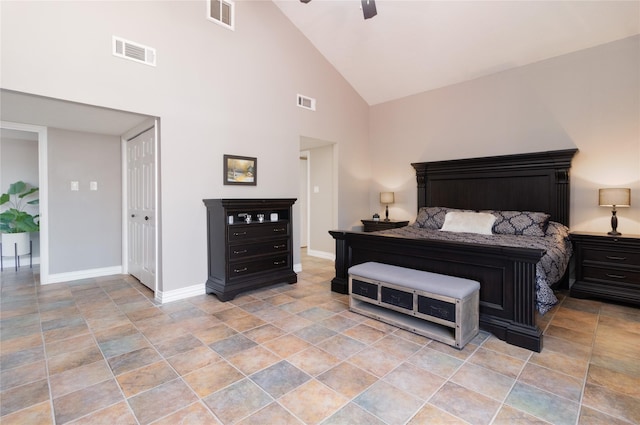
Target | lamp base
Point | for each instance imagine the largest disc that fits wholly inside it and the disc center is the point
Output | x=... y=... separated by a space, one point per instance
x=614 y=224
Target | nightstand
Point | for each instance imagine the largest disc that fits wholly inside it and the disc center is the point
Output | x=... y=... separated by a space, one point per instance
x=607 y=267
x=372 y=225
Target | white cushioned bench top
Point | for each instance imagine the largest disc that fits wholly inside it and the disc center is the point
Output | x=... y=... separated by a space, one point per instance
x=450 y=286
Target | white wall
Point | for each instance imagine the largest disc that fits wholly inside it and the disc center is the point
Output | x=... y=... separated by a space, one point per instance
x=588 y=100
x=216 y=92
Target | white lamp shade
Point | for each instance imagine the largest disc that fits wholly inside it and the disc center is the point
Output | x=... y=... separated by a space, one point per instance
x=613 y=196
x=386 y=198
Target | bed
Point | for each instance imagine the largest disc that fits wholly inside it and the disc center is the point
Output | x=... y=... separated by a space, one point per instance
x=508 y=274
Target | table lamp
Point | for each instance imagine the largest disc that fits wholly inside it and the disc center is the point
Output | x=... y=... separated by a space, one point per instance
x=386 y=198
x=614 y=197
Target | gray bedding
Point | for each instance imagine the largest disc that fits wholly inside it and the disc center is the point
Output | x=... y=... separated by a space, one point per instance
x=549 y=269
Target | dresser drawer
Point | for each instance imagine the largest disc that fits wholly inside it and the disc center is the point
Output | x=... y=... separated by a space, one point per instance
x=243 y=268
x=613 y=275
x=258 y=230
x=261 y=248
x=613 y=256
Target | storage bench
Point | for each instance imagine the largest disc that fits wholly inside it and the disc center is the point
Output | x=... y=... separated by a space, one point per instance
x=440 y=307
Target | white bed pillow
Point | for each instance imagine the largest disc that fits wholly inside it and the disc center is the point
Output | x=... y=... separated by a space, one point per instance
x=468 y=222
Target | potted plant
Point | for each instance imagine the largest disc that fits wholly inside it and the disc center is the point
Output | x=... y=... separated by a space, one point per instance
x=15 y=222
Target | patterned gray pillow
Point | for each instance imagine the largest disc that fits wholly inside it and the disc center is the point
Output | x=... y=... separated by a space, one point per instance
x=526 y=223
x=431 y=217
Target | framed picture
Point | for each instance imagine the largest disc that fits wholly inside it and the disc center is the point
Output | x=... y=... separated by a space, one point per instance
x=240 y=170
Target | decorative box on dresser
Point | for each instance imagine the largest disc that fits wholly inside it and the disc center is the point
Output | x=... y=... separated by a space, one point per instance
x=607 y=267
x=374 y=225
x=248 y=255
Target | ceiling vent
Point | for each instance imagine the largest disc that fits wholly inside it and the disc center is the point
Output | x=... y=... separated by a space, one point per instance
x=306 y=102
x=136 y=52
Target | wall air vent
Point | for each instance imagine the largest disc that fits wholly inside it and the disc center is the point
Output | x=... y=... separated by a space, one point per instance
x=136 y=52
x=306 y=102
x=222 y=12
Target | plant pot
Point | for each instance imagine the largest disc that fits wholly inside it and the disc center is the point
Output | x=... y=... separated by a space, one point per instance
x=9 y=241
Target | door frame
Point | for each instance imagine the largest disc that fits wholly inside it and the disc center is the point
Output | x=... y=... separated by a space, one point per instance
x=43 y=191
x=307 y=207
x=134 y=132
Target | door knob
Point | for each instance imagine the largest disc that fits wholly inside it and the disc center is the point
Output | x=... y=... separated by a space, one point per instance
x=146 y=217
x=133 y=215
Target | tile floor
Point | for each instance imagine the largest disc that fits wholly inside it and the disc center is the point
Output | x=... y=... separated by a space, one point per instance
x=99 y=351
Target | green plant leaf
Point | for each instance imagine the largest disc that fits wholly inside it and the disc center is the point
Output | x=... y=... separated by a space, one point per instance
x=17 y=187
x=29 y=192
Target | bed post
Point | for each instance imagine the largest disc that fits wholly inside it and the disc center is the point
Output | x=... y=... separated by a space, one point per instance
x=421 y=180
x=340 y=283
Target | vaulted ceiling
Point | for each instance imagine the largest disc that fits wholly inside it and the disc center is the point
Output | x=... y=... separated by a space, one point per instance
x=414 y=46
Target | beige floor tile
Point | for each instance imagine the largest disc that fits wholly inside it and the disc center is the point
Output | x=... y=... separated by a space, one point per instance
x=211 y=378
x=187 y=362
x=347 y=379
x=145 y=378
x=313 y=402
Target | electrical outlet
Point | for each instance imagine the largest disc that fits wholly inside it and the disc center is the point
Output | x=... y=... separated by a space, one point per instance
x=75 y=186
x=93 y=185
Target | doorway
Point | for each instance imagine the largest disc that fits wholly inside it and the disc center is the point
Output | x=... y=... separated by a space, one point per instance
x=40 y=134
x=321 y=185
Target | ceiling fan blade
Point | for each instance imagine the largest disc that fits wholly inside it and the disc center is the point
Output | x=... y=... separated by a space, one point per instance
x=305 y=1
x=368 y=8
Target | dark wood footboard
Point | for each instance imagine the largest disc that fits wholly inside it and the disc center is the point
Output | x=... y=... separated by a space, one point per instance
x=507 y=276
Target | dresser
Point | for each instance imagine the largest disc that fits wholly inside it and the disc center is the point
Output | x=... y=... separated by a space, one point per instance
x=607 y=267
x=374 y=225
x=245 y=254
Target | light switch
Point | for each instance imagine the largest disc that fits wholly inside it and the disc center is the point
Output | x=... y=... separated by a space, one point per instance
x=316 y=189
x=75 y=186
x=93 y=185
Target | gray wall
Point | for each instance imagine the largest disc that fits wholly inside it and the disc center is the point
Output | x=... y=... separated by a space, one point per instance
x=85 y=226
x=588 y=100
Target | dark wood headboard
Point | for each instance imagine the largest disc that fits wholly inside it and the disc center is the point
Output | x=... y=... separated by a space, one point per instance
x=521 y=182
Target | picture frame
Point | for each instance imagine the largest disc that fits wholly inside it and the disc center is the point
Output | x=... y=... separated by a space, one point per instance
x=240 y=170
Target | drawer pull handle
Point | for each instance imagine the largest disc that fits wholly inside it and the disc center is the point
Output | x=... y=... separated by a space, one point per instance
x=277 y=263
x=244 y=269
x=279 y=246
x=614 y=257
x=279 y=230
x=239 y=233
x=616 y=276
x=240 y=252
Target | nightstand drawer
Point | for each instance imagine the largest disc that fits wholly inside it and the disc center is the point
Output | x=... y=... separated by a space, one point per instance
x=614 y=275
x=612 y=256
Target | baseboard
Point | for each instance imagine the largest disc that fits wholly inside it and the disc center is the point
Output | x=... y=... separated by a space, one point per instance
x=83 y=274
x=321 y=254
x=180 y=294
